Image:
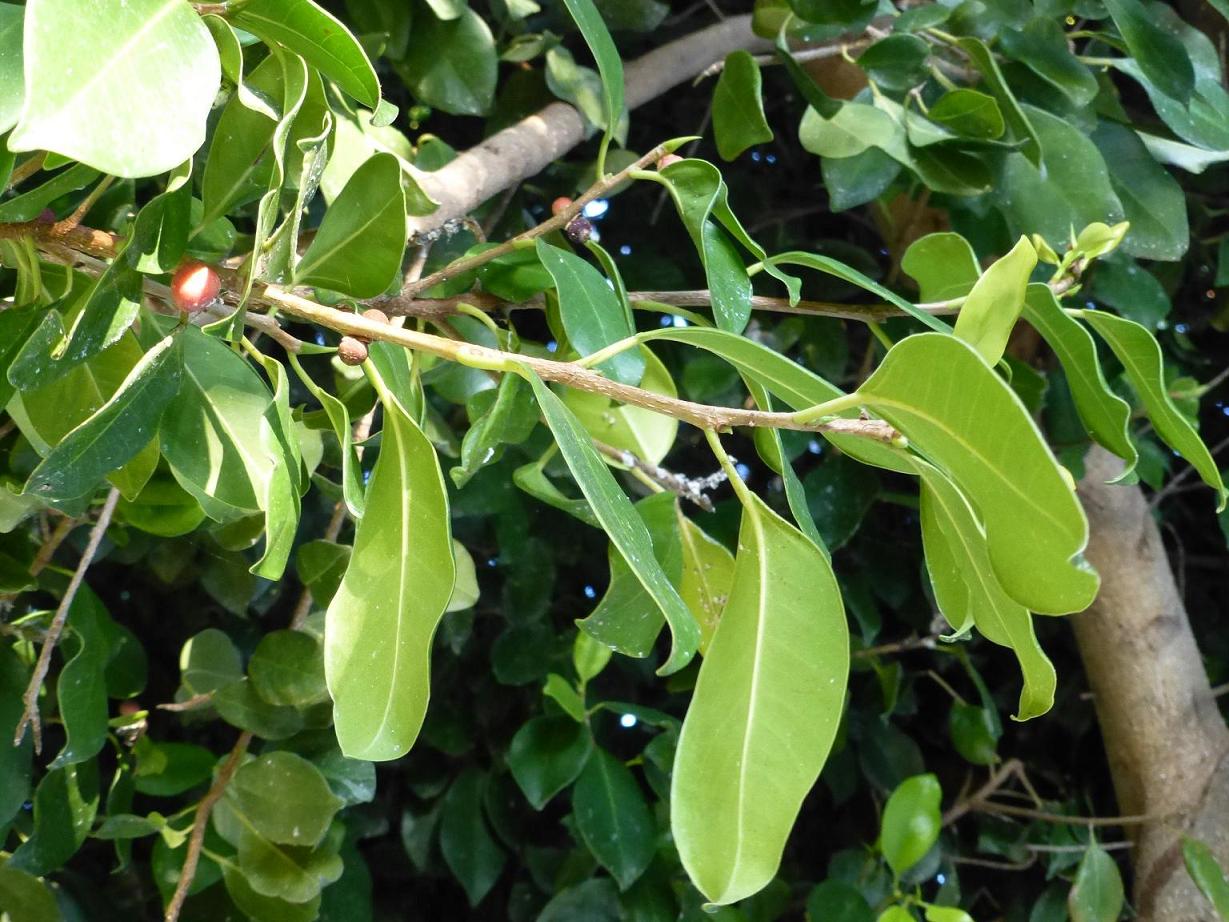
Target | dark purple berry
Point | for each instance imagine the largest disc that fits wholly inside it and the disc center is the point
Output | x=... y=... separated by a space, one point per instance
x=579 y=229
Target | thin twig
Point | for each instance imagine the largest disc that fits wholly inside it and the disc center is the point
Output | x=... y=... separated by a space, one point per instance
x=28 y=168
x=86 y=204
x=200 y=823
x=29 y=715
x=901 y=646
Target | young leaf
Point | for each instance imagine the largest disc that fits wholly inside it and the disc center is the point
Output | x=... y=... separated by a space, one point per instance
x=991 y=308
x=1141 y=358
x=99 y=112
x=765 y=710
x=620 y=521
x=911 y=822
x=378 y=630
x=315 y=34
x=591 y=313
x=738 y=107
x=613 y=818
x=123 y=426
x=1097 y=895
x=971 y=424
x=1104 y=414
x=358 y=247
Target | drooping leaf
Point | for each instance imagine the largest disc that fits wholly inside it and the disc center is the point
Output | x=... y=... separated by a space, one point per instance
x=970 y=423
x=379 y=626
x=738 y=107
x=764 y=712
x=646 y=434
x=609 y=64
x=149 y=62
x=358 y=247
x=707 y=575
x=1141 y=358
x=1021 y=124
x=620 y=522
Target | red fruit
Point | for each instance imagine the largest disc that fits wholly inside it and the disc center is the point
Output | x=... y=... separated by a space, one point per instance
x=194 y=286
x=352 y=351
x=560 y=204
x=666 y=159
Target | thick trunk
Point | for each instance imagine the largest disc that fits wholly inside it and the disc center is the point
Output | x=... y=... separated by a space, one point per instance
x=1167 y=745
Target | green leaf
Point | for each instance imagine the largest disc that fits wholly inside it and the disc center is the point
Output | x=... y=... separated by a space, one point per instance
x=1206 y=871
x=65 y=805
x=911 y=823
x=646 y=434
x=209 y=661
x=25 y=898
x=594 y=900
x=114 y=434
x=856 y=180
x=1141 y=359
x=15 y=761
x=378 y=630
x=28 y=205
x=969 y=113
x=1151 y=199
x=989 y=312
x=160 y=232
x=946 y=914
x=1097 y=894
x=738 y=107
x=968 y=592
x=171 y=769
x=547 y=754
x=896 y=62
x=1042 y=45
x=564 y=694
x=1105 y=415
x=707 y=575
x=284 y=798
x=287 y=667
x=613 y=818
x=258 y=906
x=943 y=265
x=469 y=851
x=609 y=63
x=591 y=313
x=358 y=248
x=994 y=452
x=316 y=35
x=339 y=418
x=838 y=901
x=509 y=420
x=1160 y=54
x=240 y=706
x=764 y=712
x=12 y=90
x=81 y=690
x=295 y=874
x=974 y=733
x=589 y=657
x=1020 y=124
x=127 y=58
x=620 y=522
x=451 y=65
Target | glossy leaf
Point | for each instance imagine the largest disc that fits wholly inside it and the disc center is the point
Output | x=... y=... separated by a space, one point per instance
x=451 y=65
x=989 y=312
x=1104 y=414
x=613 y=819
x=584 y=13
x=546 y=755
x=911 y=823
x=358 y=247
x=287 y=668
x=312 y=32
x=738 y=107
x=707 y=575
x=943 y=265
x=1141 y=358
x=1207 y=873
x=1097 y=894
x=1159 y=53
x=1152 y=200
x=120 y=428
x=149 y=62
x=620 y=522
x=592 y=316
x=972 y=426
x=1042 y=46
x=81 y=689
x=65 y=804
x=12 y=19
x=379 y=626
x=1020 y=123
x=284 y=798
x=969 y=113
x=764 y=712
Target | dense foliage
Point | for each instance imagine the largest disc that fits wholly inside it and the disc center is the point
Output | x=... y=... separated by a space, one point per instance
x=675 y=548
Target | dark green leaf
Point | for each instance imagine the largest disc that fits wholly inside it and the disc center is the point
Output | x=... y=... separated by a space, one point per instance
x=738 y=107
x=613 y=818
x=469 y=851
x=1206 y=871
x=1160 y=55
x=546 y=755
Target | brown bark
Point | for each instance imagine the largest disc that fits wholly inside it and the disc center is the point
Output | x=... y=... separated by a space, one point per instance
x=1167 y=744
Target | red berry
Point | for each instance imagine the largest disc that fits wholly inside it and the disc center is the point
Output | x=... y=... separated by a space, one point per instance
x=194 y=286
x=560 y=204
x=352 y=351
x=666 y=159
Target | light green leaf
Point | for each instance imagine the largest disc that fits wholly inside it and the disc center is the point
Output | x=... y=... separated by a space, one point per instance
x=547 y=754
x=911 y=823
x=116 y=432
x=25 y=898
x=339 y=418
x=283 y=798
x=970 y=423
x=613 y=819
x=620 y=522
x=564 y=694
x=943 y=265
x=1141 y=358
x=287 y=668
x=646 y=434
x=12 y=92
x=94 y=90
x=989 y=312
x=1104 y=414
x=258 y=906
x=764 y=712
x=1207 y=873
x=968 y=592
x=451 y=65
x=738 y=107
x=316 y=35
x=358 y=248
x=1097 y=895
x=946 y=914
x=590 y=310
x=707 y=575
x=378 y=630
